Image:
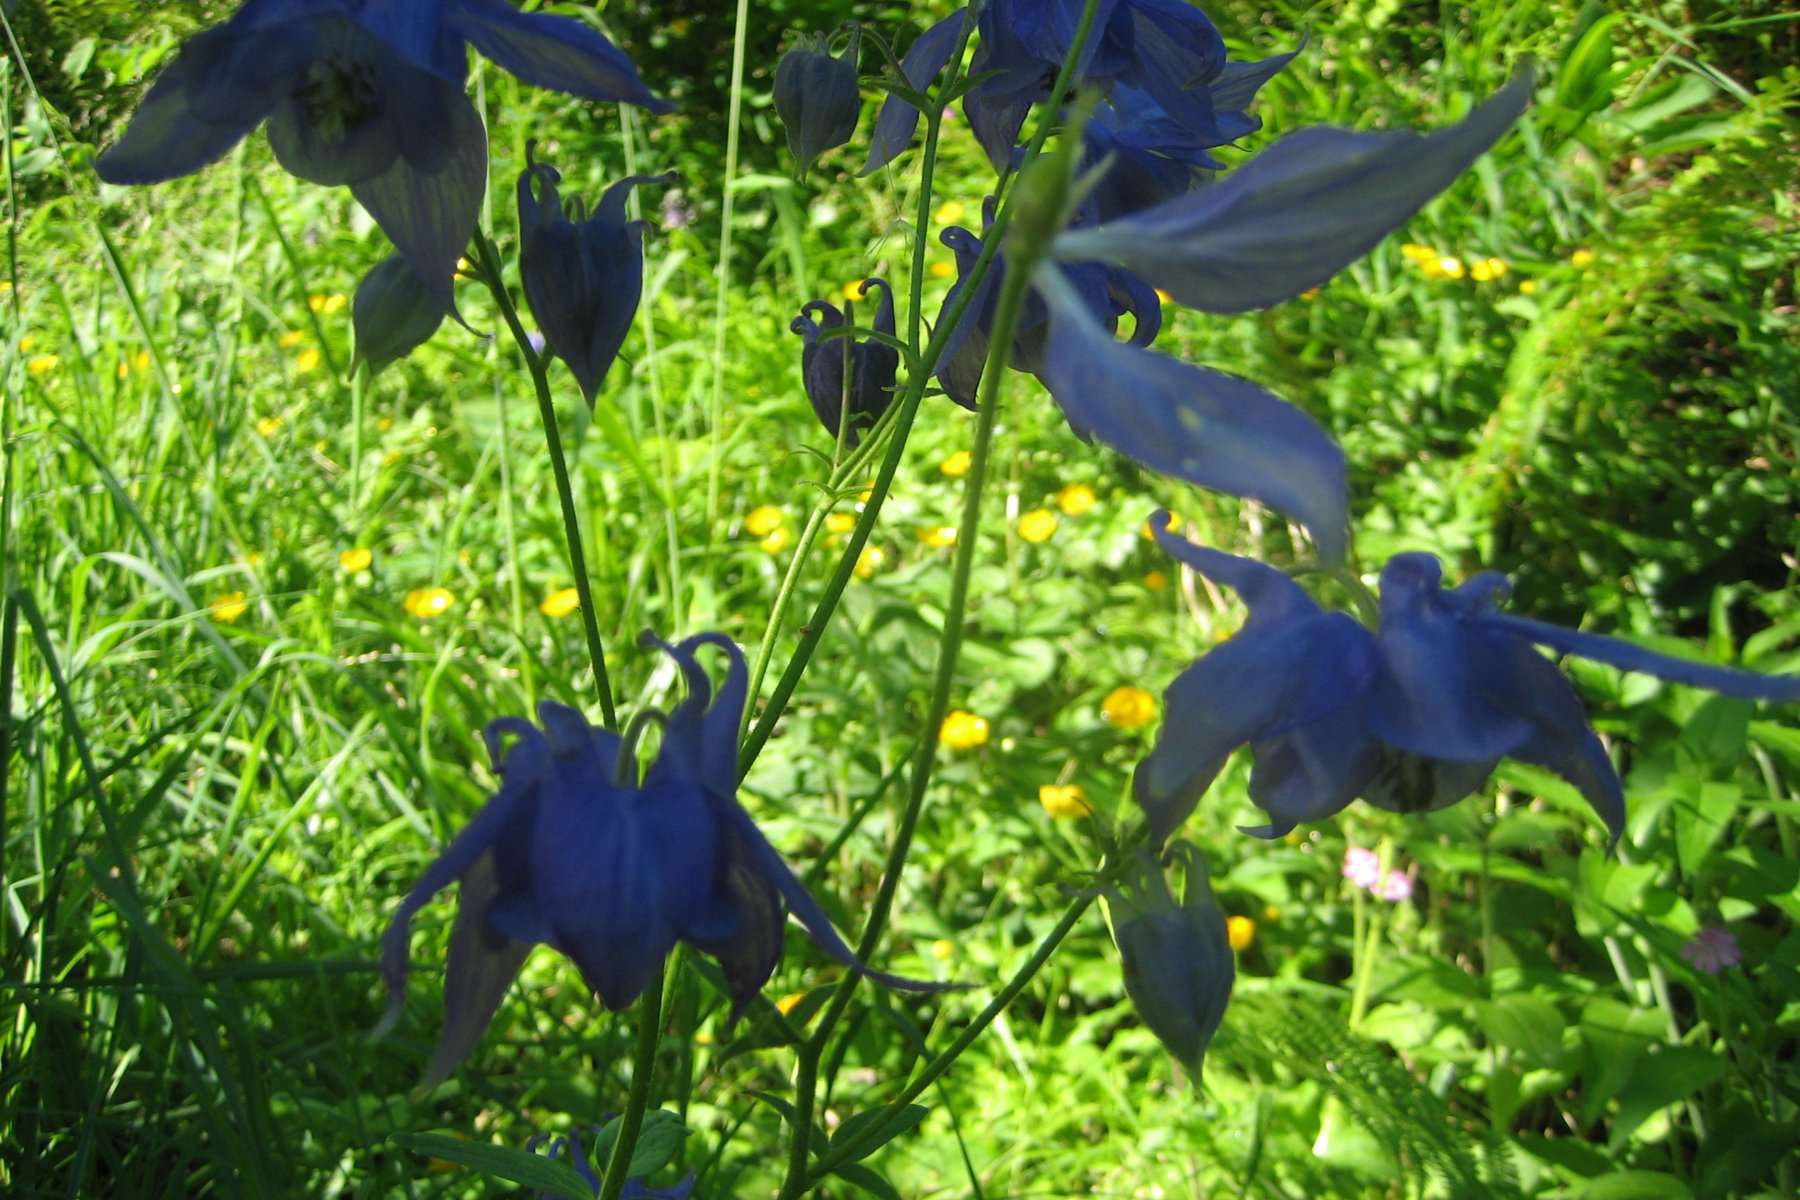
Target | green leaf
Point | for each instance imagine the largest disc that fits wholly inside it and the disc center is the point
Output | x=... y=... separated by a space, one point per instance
x=868 y=1181
x=1701 y=821
x=1634 y=1185
x=500 y=1162
x=852 y=1130
x=1528 y=1025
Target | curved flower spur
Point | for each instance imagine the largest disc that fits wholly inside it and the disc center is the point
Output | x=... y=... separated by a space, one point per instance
x=1412 y=716
x=573 y=850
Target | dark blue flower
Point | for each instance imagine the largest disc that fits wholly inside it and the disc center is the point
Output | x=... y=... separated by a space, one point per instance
x=635 y=1188
x=833 y=368
x=364 y=93
x=1176 y=957
x=394 y=313
x=895 y=124
x=1296 y=213
x=816 y=97
x=1411 y=717
x=575 y=851
x=583 y=275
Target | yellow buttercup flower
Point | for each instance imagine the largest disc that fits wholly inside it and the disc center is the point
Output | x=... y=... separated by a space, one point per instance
x=1156 y=581
x=938 y=536
x=141 y=359
x=1065 y=801
x=777 y=540
x=943 y=949
x=291 y=338
x=789 y=1002
x=269 y=426
x=871 y=560
x=1037 y=525
x=950 y=212
x=124 y=369
x=854 y=290
x=42 y=364
x=1581 y=258
x=1527 y=286
x=957 y=465
x=1240 y=932
x=1129 y=707
x=27 y=342
x=306 y=360
x=1447 y=266
x=229 y=606
x=839 y=523
x=942 y=270
x=1164 y=296
x=1075 y=499
x=561 y=602
x=1484 y=270
x=1419 y=254
x=764 y=520
x=1271 y=913
x=963 y=730
x=384 y=423
x=358 y=558
x=326 y=304
x=427 y=602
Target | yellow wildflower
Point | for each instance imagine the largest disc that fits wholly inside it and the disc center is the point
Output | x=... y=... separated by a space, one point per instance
x=306 y=360
x=777 y=540
x=680 y=25
x=141 y=360
x=1446 y=267
x=1418 y=253
x=1129 y=707
x=764 y=520
x=269 y=426
x=27 y=342
x=124 y=369
x=356 y=559
x=463 y=266
x=950 y=212
x=1156 y=581
x=229 y=606
x=1483 y=270
x=384 y=423
x=316 y=302
x=839 y=523
x=427 y=602
x=1164 y=296
x=1240 y=932
x=871 y=560
x=957 y=465
x=1311 y=293
x=1037 y=525
x=291 y=338
x=1271 y=914
x=942 y=270
x=963 y=730
x=789 y=1002
x=938 y=536
x=1527 y=286
x=943 y=949
x=1582 y=258
x=854 y=290
x=561 y=602
x=1065 y=801
x=327 y=304
x=42 y=364
x=1075 y=499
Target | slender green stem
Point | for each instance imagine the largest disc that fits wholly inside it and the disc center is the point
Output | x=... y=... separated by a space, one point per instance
x=722 y=277
x=643 y=1069
x=850 y=1151
x=490 y=275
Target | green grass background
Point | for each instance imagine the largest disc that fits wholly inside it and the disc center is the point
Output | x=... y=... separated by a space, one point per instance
x=213 y=806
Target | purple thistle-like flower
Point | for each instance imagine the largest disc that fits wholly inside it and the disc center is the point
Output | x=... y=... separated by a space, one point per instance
x=1712 y=950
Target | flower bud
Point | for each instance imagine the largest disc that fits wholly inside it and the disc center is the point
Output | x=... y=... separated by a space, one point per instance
x=394 y=313
x=1177 y=959
x=816 y=97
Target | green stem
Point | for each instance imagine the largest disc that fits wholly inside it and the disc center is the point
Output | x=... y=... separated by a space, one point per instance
x=490 y=275
x=643 y=1068
x=852 y=1150
x=722 y=277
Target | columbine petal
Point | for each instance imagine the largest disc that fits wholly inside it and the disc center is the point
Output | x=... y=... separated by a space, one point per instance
x=394 y=313
x=1746 y=685
x=428 y=200
x=1312 y=772
x=551 y=52
x=1295 y=214
x=480 y=967
x=924 y=60
x=1204 y=426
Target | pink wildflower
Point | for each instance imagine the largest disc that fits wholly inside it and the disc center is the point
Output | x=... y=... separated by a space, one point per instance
x=1362 y=867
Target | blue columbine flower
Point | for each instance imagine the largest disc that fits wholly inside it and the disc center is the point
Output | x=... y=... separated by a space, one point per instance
x=394 y=313
x=923 y=61
x=635 y=1189
x=1296 y=213
x=369 y=94
x=575 y=851
x=816 y=97
x=871 y=365
x=583 y=275
x=1412 y=716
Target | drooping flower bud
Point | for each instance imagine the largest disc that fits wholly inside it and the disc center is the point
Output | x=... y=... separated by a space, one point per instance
x=394 y=313
x=866 y=382
x=1177 y=958
x=816 y=97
